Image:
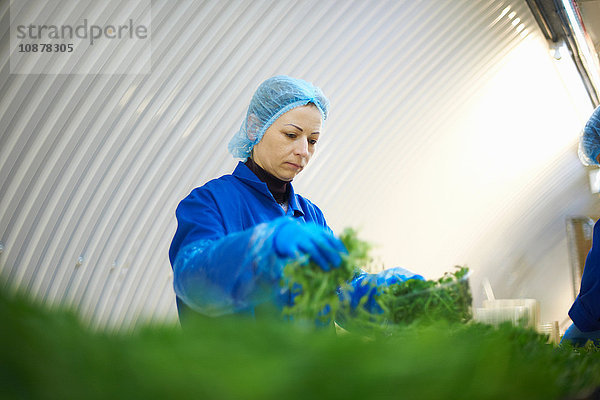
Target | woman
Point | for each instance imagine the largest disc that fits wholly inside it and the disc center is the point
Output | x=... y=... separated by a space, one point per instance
x=236 y=233
x=585 y=311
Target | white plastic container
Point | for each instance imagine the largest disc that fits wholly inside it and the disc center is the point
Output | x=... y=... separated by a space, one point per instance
x=517 y=315
x=550 y=329
x=520 y=312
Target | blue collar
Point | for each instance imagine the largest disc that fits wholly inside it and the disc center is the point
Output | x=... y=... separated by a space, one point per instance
x=243 y=173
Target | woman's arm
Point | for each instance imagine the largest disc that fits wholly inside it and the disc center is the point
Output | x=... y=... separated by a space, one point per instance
x=230 y=274
x=217 y=273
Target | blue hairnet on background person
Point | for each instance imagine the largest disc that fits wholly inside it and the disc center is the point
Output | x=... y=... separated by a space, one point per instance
x=585 y=311
x=589 y=143
x=237 y=232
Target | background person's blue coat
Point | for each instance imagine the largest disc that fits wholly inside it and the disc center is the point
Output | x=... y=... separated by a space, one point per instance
x=585 y=311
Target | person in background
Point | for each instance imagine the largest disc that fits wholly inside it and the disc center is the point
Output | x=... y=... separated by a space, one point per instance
x=237 y=232
x=585 y=311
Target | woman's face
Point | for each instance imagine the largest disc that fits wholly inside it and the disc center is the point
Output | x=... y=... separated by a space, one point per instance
x=289 y=143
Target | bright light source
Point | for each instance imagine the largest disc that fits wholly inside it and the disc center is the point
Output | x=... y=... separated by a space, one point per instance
x=590 y=60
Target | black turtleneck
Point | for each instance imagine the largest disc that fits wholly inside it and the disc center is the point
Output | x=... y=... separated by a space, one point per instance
x=277 y=187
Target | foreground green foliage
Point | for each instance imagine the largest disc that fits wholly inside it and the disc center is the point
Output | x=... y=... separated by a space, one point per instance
x=49 y=355
x=420 y=347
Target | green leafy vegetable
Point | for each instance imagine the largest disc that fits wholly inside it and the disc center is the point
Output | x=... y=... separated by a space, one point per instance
x=47 y=354
x=449 y=298
x=315 y=290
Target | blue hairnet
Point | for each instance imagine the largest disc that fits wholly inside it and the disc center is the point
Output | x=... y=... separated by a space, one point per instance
x=273 y=98
x=589 y=143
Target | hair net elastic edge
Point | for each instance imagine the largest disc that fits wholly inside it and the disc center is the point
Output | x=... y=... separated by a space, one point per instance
x=238 y=154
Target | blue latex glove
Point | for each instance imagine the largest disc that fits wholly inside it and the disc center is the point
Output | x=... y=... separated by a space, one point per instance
x=368 y=285
x=293 y=239
x=579 y=338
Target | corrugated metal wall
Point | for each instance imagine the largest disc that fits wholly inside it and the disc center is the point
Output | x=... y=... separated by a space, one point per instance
x=451 y=141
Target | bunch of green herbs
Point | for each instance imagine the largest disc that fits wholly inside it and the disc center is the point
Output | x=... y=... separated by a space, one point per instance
x=315 y=290
x=448 y=298
x=317 y=299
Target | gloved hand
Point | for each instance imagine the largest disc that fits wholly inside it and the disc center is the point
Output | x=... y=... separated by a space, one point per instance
x=579 y=338
x=396 y=275
x=293 y=239
x=368 y=285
